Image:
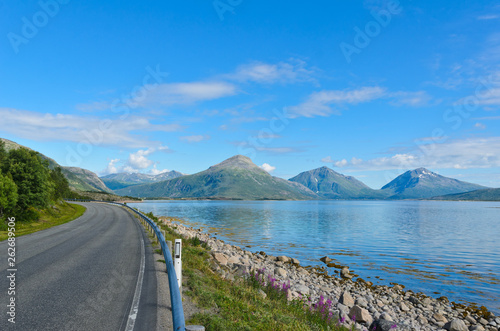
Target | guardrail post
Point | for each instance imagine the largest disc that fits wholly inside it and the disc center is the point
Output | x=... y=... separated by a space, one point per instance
x=178 y=262
x=163 y=234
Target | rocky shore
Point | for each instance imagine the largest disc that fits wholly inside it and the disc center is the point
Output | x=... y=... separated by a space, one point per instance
x=373 y=307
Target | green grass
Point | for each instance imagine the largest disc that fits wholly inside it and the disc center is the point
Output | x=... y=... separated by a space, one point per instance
x=62 y=213
x=237 y=305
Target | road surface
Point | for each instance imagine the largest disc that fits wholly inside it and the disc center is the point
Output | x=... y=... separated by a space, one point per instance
x=82 y=275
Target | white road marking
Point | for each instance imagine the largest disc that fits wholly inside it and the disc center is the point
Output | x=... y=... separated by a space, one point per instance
x=135 y=303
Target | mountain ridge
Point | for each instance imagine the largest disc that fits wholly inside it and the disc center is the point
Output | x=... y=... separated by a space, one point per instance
x=329 y=184
x=123 y=179
x=234 y=178
x=422 y=183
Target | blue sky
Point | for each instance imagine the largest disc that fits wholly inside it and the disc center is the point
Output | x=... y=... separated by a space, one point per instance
x=369 y=88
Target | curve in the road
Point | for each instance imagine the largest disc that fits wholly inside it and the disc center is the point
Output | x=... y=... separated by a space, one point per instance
x=83 y=275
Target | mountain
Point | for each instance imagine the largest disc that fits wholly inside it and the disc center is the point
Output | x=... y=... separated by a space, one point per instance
x=84 y=180
x=122 y=180
x=78 y=178
x=491 y=194
x=422 y=184
x=330 y=184
x=235 y=178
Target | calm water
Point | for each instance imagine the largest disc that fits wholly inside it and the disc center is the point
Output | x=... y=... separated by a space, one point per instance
x=439 y=248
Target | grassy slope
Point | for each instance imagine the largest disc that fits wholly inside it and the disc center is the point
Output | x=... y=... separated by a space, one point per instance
x=63 y=213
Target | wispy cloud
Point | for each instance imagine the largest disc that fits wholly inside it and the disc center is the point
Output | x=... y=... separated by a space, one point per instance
x=321 y=103
x=488 y=17
x=413 y=99
x=292 y=71
x=185 y=93
x=488 y=118
x=95 y=106
x=480 y=126
x=194 y=138
x=457 y=154
x=155 y=95
x=104 y=131
x=328 y=102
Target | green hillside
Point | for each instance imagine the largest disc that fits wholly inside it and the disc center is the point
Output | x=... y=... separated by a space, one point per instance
x=331 y=185
x=235 y=178
x=491 y=194
x=78 y=178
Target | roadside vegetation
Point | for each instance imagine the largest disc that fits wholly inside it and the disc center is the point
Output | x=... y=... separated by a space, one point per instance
x=32 y=193
x=59 y=214
x=253 y=302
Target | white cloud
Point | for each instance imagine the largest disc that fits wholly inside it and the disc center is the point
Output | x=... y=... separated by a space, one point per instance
x=277 y=150
x=413 y=99
x=184 y=93
x=153 y=95
x=93 y=106
x=79 y=129
x=488 y=17
x=328 y=102
x=491 y=97
x=319 y=103
x=480 y=126
x=267 y=167
x=457 y=154
x=154 y=171
x=139 y=160
x=194 y=138
x=283 y=72
x=111 y=168
x=488 y=118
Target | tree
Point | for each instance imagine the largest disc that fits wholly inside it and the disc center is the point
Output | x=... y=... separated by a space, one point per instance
x=32 y=177
x=61 y=185
x=8 y=195
x=3 y=152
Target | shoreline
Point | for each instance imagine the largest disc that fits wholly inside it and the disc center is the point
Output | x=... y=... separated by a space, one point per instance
x=385 y=304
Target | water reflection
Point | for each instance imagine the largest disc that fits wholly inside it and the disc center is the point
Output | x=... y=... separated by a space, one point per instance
x=439 y=248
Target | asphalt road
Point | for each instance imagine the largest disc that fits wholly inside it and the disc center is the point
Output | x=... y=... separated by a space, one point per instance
x=82 y=275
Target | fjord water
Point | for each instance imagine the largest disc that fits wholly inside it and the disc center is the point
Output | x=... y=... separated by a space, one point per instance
x=438 y=248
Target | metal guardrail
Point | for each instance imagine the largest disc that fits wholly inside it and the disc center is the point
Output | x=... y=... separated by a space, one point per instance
x=175 y=295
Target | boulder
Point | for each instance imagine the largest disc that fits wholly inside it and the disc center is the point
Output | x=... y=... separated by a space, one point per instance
x=283 y=259
x=280 y=272
x=361 y=302
x=387 y=317
x=383 y=325
x=220 y=258
x=456 y=325
x=233 y=259
x=325 y=259
x=361 y=315
x=344 y=273
x=304 y=290
x=439 y=318
x=346 y=299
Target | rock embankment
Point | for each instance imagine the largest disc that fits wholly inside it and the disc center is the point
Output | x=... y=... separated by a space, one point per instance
x=373 y=307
